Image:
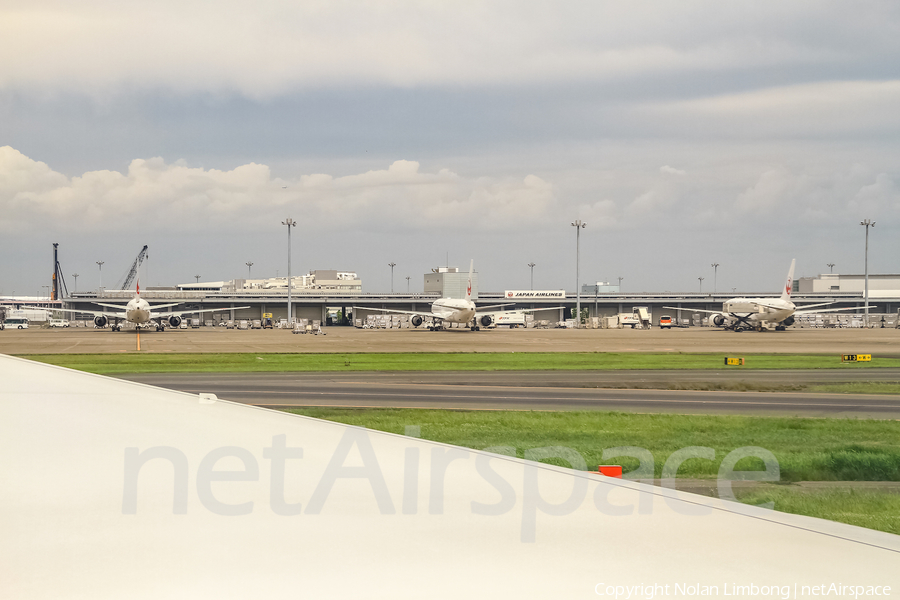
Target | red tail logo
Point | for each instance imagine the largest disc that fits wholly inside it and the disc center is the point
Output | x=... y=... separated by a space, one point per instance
x=138 y=288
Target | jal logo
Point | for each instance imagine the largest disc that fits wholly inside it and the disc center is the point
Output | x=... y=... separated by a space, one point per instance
x=787 y=287
x=509 y=294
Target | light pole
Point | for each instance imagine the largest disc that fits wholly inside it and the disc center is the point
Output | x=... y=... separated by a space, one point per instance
x=830 y=267
x=531 y=264
x=392 y=265
x=701 y=284
x=867 y=223
x=715 y=267
x=75 y=275
x=249 y=264
x=578 y=225
x=197 y=277
x=48 y=291
x=407 y=284
x=290 y=223
x=100 y=264
x=620 y=284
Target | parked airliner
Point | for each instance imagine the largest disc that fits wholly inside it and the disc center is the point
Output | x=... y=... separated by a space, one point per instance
x=141 y=313
x=450 y=310
x=740 y=314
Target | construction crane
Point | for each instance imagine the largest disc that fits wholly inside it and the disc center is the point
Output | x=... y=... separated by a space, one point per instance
x=58 y=287
x=132 y=273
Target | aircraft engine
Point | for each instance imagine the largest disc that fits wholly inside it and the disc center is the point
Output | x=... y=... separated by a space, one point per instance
x=100 y=321
x=486 y=320
x=174 y=321
x=789 y=321
x=416 y=320
x=719 y=320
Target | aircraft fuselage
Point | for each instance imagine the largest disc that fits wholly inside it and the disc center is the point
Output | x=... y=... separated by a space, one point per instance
x=759 y=310
x=137 y=311
x=454 y=310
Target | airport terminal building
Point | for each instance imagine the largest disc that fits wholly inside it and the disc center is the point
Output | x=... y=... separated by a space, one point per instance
x=321 y=292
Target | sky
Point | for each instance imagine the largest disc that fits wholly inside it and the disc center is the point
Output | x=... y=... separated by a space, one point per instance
x=684 y=134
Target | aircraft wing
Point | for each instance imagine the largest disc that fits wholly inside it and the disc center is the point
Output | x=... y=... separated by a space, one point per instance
x=711 y=312
x=119 y=306
x=155 y=306
x=419 y=313
x=169 y=313
x=805 y=312
x=152 y=306
x=96 y=313
x=479 y=308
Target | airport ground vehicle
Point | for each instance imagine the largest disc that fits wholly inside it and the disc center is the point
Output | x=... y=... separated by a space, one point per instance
x=59 y=323
x=665 y=322
x=16 y=323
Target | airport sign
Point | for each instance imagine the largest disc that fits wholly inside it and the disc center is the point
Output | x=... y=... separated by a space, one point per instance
x=518 y=294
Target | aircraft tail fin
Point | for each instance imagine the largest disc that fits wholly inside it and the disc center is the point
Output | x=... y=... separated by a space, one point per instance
x=138 y=287
x=469 y=283
x=789 y=284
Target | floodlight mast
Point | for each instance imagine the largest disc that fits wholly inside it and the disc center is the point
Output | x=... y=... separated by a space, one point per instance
x=867 y=223
x=578 y=225
x=290 y=223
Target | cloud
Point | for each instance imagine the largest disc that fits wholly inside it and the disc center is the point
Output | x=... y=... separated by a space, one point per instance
x=813 y=196
x=821 y=109
x=276 y=46
x=154 y=194
x=667 y=170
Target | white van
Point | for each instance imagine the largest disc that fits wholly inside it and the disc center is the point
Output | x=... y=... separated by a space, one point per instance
x=16 y=323
x=59 y=323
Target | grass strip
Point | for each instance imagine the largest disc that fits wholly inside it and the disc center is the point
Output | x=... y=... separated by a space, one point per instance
x=864 y=508
x=874 y=387
x=806 y=449
x=108 y=364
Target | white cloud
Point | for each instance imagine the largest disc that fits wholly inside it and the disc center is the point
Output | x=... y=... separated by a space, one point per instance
x=153 y=194
x=273 y=46
x=810 y=109
x=667 y=170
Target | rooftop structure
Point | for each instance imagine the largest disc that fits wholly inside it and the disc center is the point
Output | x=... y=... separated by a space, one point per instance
x=317 y=282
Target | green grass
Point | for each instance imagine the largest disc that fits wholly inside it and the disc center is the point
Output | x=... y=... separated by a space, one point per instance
x=864 y=508
x=470 y=361
x=806 y=449
x=857 y=388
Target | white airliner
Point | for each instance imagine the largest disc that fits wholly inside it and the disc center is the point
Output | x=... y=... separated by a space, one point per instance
x=739 y=314
x=449 y=310
x=141 y=313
